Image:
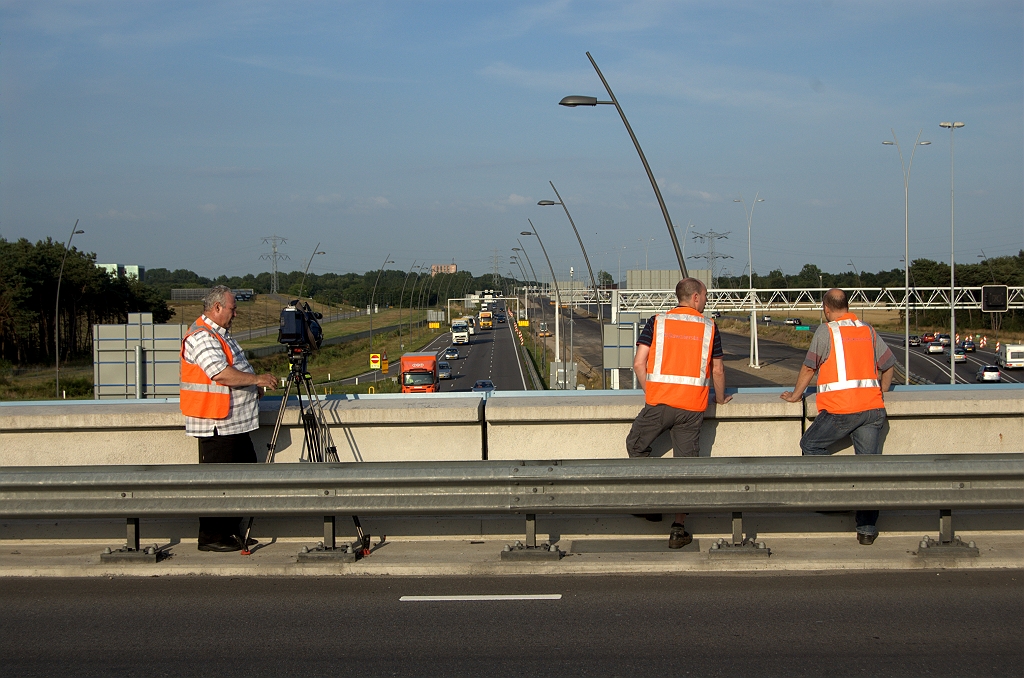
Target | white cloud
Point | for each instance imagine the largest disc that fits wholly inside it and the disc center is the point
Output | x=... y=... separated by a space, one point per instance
x=515 y=199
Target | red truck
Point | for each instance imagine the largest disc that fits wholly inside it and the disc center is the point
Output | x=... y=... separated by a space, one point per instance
x=419 y=373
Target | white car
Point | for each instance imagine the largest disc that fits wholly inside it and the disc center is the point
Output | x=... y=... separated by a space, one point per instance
x=935 y=347
x=989 y=373
x=959 y=356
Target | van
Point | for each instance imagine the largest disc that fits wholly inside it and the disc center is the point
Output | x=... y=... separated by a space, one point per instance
x=460 y=332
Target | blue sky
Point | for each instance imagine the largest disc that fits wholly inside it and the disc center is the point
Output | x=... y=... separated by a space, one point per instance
x=180 y=133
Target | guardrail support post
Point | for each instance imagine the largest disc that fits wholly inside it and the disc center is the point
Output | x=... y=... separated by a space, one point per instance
x=133 y=535
x=329 y=533
x=531 y=530
x=737 y=528
x=946 y=526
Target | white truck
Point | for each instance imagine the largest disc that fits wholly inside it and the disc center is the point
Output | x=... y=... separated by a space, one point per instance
x=460 y=332
x=1010 y=356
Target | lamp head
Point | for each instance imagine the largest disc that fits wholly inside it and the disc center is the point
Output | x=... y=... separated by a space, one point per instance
x=577 y=100
x=79 y=231
x=737 y=200
x=526 y=233
x=924 y=143
x=888 y=143
x=547 y=202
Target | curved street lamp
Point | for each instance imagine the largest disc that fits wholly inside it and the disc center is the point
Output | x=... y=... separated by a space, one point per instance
x=401 y=298
x=754 y=348
x=387 y=260
x=558 y=305
x=906 y=244
x=56 y=314
x=303 y=284
x=952 y=250
x=593 y=281
x=575 y=100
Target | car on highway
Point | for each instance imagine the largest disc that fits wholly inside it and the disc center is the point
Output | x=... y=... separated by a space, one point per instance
x=934 y=347
x=915 y=340
x=766 y=319
x=927 y=338
x=794 y=321
x=716 y=314
x=989 y=373
x=959 y=356
x=451 y=353
x=500 y=318
x=444 y=370
x=483 y=386
x=968 y=346
x=942 y=339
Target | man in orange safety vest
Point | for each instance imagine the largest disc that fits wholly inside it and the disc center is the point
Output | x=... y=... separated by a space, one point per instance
x=678 y=357
x=854 y=368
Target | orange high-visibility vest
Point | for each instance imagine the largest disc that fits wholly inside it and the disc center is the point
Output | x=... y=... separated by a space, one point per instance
x=200 y=396
x=679 y=364
x=848 y=380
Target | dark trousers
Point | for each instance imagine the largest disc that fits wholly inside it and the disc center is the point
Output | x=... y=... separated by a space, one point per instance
x=217 y=449
x=654 y=420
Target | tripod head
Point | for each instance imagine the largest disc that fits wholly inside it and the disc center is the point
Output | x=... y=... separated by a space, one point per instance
x=298 y=358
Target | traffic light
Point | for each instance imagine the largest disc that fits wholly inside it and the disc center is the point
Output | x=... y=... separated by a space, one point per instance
x=993 y=298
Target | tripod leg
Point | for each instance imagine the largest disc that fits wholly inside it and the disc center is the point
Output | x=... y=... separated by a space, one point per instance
x=329 y=452
x=364 y=539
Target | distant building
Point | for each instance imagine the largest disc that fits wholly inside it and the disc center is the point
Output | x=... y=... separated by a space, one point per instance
x=443 y=268
x=126 y=271
x=663 y=280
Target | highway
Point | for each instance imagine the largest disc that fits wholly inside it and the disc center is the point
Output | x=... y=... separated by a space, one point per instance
x=935 y=368
x=491 y=354
x=935 y=623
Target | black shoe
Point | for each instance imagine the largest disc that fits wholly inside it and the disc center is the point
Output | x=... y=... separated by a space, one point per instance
x=653 y=517
x=866 y=539
x=679 y=537
x=221 y=546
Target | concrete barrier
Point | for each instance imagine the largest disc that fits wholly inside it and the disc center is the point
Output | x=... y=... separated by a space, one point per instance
x=519 y=425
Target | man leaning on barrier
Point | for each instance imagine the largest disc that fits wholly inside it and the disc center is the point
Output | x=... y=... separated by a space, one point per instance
x=220 y=400
x=854 y=368
x=678 y=356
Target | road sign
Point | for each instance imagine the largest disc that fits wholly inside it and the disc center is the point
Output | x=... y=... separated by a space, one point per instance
x=803 y=328
x=375 y=361
x=993 y=298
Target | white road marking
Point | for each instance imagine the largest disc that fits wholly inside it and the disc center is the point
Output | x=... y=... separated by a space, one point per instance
x=541 y=596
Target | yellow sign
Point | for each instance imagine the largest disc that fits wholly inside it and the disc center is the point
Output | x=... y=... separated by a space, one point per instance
x=524 y=323
x=434 y=325
x=384 y=362
x=374 y=361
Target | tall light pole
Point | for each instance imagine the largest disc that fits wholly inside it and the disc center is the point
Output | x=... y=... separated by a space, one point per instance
x=535 y=280
x=593 y=281
x=573 y=101
x=647 y=248
x=558 y=303
x=951 y=126
x=56 y=314
x=906 y=244
x=401 y=299
x=387 y=260
x=754 y=348
x=302 y=285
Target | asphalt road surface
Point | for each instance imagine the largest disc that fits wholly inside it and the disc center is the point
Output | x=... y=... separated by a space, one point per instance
x=935 y=367
x=491 y=354
x=959 y=623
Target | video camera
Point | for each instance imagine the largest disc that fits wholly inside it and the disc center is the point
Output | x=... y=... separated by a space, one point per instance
x=299 y=327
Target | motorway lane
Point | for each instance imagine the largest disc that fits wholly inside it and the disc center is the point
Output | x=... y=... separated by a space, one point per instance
x=935 y=368
x=935 y=623
x=491 y=354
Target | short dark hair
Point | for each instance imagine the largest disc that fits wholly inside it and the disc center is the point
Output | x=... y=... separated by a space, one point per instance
x=687 y=287
x=835 y=300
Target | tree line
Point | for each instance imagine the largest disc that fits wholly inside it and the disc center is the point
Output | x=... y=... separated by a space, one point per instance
x=88 y=296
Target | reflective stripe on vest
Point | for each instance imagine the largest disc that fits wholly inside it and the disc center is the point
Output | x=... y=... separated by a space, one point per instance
x=200 y=396
x=658 y=374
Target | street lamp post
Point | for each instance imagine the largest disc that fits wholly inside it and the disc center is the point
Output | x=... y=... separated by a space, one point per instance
x=56 y=314
x=558 y=304
x=951 y=126
x=573 y=101
x=593 y=281
x=302 y=285
x=754 y=348
x=401 y=299
x=387 y=260
x=540 y=304
x=906 y=244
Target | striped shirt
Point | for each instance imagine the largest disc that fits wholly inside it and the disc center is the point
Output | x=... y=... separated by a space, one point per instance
x=204 y=350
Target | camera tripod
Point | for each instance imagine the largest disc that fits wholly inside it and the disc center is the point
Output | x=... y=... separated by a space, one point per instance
x=317 y=446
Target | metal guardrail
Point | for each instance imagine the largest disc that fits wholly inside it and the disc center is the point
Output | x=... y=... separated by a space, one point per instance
x=525 y=487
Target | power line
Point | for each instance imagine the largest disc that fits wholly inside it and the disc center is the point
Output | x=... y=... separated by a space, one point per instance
x=274 y=256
